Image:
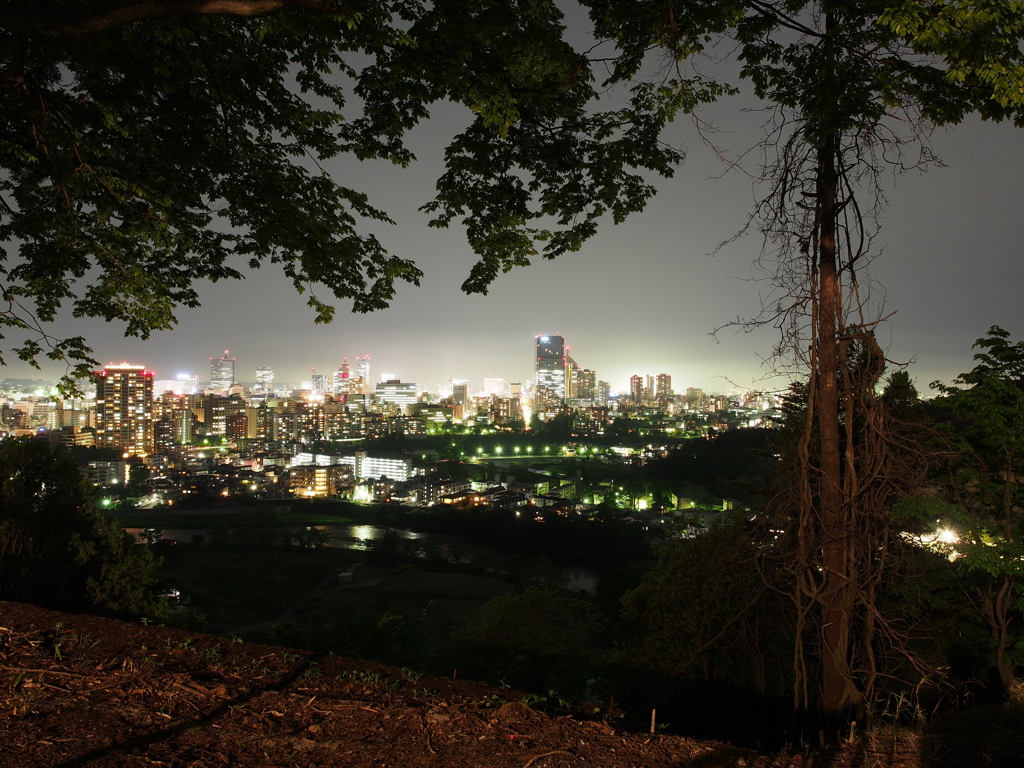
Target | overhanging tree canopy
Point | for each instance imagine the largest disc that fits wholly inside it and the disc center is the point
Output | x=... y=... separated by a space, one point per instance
x=144 y=144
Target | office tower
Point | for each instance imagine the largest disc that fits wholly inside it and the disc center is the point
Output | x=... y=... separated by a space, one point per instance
x=222 y=372
x=394 y=391
x=664 y=385
x=460 y=395
x=188 y=384
x=571 y=374
x=363 y=371
x=124 y=409
x=264 y=380
x=320 y=383
x=342 y=379
x=549 y=372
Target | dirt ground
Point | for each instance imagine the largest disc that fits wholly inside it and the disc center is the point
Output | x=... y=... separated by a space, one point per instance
x=85 y=691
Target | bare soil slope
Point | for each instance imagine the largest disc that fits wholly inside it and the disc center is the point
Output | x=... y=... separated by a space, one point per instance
x=86 y=691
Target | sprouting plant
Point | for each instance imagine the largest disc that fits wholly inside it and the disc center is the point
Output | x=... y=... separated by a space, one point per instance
x=411 y=674
x=312 y=673
x=491 y=700
x=208 y=655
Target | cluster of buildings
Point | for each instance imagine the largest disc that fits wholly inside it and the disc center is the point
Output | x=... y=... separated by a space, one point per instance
x=264 y=426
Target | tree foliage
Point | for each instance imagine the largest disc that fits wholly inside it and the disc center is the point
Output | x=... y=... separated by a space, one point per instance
x=538 y=639
x=56 y=548
x=705 y=612
x=147 y=147
x=850 y=90
x=989 y=552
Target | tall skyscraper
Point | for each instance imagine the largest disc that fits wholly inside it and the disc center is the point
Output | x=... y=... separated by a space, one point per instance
x=664 y=384
x=549 y=373
x=222 y=372
x=124 y=409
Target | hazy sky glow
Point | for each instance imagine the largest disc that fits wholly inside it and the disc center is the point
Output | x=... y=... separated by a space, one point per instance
x=639 y=298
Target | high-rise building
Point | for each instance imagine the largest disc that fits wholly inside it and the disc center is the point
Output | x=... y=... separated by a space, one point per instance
x=188 y=384
x=342 y=379
x=460 y=396
x=222 y=372
x=184 y=425
x=396 y=392
x=264 y=379
x=363 y=371
x=549 y=372
x=586 y=383
x=636 y=389
x=572 y=370
x=124 y=409
x=664 y=385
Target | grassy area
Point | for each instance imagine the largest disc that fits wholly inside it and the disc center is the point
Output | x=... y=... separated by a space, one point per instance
x=240 y=586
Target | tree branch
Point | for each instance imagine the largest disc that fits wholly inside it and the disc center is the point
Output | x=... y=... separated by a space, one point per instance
x=20 y=20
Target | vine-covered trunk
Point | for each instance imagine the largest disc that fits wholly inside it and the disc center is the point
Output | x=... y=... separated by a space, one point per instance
x=839 y=695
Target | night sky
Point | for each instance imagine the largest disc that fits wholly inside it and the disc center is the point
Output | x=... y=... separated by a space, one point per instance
x=641 y=297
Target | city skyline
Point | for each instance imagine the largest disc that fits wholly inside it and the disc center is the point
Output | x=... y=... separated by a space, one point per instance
x=188 y=380
x=641 y=297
